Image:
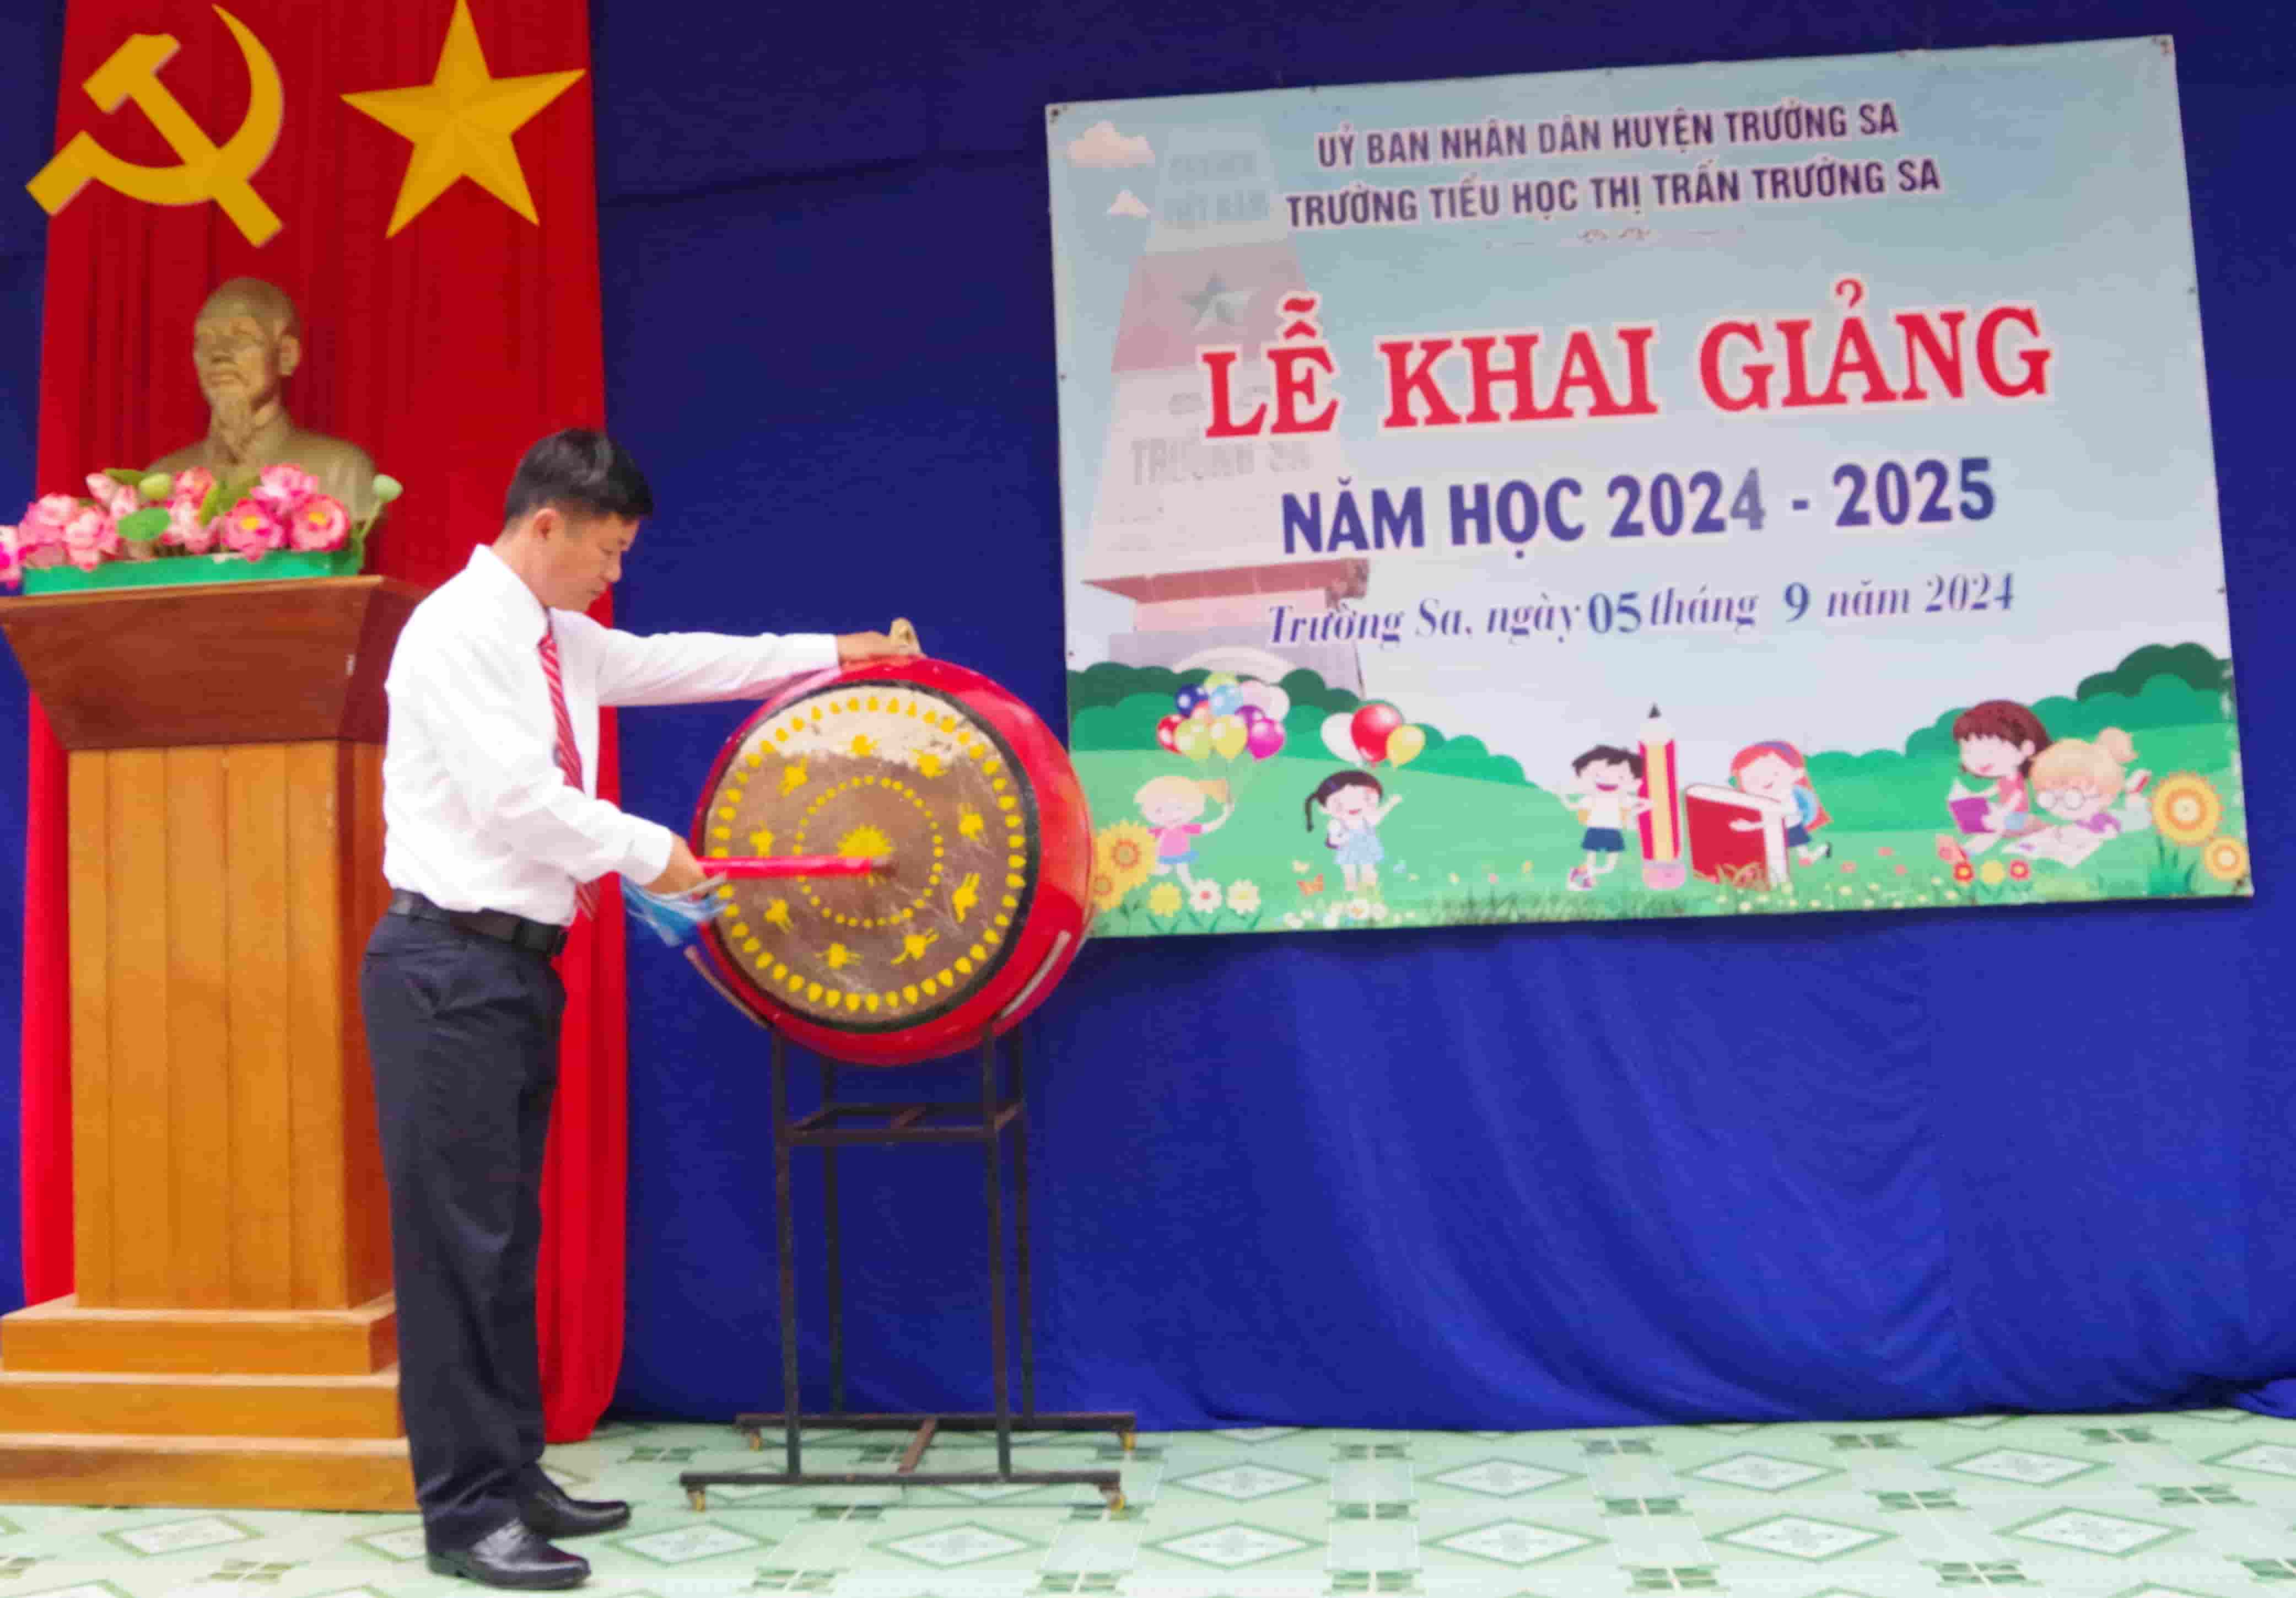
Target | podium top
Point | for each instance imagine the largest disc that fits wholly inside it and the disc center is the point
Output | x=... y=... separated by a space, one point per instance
x=267 y=662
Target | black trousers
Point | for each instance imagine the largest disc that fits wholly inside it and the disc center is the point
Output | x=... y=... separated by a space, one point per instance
x=463 y=1037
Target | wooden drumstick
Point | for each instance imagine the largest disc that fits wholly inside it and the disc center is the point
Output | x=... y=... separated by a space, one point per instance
x=902 y=632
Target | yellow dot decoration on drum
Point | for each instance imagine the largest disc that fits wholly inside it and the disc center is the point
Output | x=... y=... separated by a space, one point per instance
x=972 y=803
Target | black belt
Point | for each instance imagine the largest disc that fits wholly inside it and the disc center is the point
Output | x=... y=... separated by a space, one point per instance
x=537 y=936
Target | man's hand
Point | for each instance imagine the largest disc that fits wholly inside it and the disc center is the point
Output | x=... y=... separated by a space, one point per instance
x=681 y=874
x=900 y=644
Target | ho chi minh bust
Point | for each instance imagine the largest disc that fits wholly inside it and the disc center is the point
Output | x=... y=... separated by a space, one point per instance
x=247 y=341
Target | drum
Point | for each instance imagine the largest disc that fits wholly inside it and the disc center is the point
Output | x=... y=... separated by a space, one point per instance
x=985 y=897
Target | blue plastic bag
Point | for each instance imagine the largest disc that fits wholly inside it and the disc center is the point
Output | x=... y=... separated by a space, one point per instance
x=675 y=918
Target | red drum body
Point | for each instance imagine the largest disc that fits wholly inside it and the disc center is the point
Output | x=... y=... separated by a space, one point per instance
x=987 y=897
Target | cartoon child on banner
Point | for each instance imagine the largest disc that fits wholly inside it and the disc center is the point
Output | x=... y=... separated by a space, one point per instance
x=1603 y=797
x=1172 y=807
x=1776 y=771
x=1999 y=741
x=2078 y=785
x=1353 y=804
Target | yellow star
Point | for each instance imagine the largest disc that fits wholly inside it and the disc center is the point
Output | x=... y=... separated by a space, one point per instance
x=460 y=124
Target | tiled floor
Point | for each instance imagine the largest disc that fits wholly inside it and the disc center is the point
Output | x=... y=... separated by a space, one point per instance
x=2201 y=1505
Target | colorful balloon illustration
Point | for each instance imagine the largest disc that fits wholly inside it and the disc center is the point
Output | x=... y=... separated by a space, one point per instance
x=1166 y=728
x=1338 y=737
x=1229 y=736
x=1265 y=738
x=1251 y=715
x=1372 y=724
x=1271 y=700
x=1188 y=698
x=1404 y=744
x=1227 y=699
x=1193 y=738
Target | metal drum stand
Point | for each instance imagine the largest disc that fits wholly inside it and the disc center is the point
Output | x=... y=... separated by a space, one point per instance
x=1000 y=1111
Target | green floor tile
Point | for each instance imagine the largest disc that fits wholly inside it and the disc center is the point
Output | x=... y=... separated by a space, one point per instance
x=2198 y=1505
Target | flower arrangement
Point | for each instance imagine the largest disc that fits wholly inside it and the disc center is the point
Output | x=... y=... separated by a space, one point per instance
x=137 y=516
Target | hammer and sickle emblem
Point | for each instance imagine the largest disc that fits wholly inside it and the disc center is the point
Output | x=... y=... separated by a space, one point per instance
x=207 y=172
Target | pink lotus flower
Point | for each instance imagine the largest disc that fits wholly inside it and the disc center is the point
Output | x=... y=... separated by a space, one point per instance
x=282 y=489
x=118 y=499
x=193 y=484
x=40 y=537
x=249 y=528
x=89 y=536
x=185 y=530
x=320 y=523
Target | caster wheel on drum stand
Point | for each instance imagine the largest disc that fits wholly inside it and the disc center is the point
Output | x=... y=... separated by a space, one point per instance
x=1127 y=1440
x=697 y=1500
x=1116 y=1507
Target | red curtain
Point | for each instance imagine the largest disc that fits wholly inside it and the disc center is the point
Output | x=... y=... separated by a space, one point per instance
x=445 y=350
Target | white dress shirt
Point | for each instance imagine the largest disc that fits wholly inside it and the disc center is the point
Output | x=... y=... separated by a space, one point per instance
x=477 y=814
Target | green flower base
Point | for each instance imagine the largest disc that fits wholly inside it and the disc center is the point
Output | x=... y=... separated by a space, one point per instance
x=176 y=571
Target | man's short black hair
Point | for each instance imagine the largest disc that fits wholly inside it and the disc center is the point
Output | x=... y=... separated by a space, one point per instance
x=580 y=472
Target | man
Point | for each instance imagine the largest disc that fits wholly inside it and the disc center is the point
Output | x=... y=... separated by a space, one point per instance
x=246 y=343
x=492 y=841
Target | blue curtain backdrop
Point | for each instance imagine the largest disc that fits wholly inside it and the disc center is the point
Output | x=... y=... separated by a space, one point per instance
x=1478 y=1177
x=31 y=38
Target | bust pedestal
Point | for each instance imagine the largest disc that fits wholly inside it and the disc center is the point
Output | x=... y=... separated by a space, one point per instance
x=231 y=1341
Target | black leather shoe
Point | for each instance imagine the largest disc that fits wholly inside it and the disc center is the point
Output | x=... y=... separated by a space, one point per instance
x=551 y=1513
x=511 y=1555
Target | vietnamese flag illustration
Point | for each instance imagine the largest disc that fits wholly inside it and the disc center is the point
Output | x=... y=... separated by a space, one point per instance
x=419 y=177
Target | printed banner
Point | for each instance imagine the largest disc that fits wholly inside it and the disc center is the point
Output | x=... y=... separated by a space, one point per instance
x=1696 y=491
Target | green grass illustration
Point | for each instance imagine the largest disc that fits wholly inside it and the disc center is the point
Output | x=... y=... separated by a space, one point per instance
x=1473 y=843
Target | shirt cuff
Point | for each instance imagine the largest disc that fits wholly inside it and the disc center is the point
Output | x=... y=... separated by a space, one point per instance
x=810 y=652
x=649 y=852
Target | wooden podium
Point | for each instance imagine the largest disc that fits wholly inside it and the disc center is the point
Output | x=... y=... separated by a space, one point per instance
x=232 y=1340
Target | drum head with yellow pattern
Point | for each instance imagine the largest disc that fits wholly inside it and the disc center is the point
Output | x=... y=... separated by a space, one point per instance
x=876 y=769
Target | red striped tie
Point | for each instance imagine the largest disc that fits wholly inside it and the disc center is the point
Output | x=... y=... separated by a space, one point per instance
x=569 y=758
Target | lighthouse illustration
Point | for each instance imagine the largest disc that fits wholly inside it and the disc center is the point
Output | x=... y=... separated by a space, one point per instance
x=1189 y=528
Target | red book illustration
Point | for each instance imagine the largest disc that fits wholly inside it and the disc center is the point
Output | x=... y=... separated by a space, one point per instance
x=1722 y=850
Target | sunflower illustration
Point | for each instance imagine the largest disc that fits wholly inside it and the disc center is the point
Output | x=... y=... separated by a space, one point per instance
x=2187 y=809
x=1127 y=852
x=2225 y=860
x=1107 y=894
x=1164 y=899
